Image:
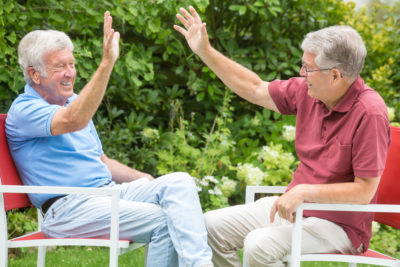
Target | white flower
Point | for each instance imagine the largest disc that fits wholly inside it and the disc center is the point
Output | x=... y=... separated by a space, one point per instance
x=391 y=113
x=255 y=121
x=289 y=133
x=227 y=186
x=267 y=153
x=215 y=191
x=211 y=179
x=151 y=133
x=200 y=183
x=375 y=227
x=250 y=174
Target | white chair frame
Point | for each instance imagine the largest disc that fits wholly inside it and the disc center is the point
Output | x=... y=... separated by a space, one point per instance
x=117 y=247
x=295 y=258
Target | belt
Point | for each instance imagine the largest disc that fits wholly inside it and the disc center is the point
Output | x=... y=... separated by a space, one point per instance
x=46 y=205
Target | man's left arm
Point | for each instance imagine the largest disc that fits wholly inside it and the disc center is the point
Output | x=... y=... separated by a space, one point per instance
x=122 y=173
x=361 y=191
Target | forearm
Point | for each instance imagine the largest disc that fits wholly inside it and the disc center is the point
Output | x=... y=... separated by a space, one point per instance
x=81 y=110
x=122 y=173
x=239 y=79
x=359 y=192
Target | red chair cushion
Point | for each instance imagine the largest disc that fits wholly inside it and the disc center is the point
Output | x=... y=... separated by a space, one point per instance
x=8 y=173
x=389 y=186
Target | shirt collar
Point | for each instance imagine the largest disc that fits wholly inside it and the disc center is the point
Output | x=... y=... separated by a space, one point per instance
x=30 y=91
x=350 y=96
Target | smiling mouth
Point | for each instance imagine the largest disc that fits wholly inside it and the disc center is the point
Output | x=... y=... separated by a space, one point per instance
x=66 y=83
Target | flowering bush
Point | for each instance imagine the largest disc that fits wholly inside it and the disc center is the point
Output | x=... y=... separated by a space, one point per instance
x=289 y=133
x=250 y=174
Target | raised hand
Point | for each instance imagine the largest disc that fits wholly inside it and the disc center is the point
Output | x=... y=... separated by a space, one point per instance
x=110 y=41
x=195 y=31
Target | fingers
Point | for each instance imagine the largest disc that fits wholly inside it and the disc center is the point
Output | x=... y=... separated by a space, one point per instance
x=110 y=40
x=110 y=36
x=107 y=23
x=272 y=213
x=180 y=29
x=195 y=15
x=185 y=13
x=285 y=212
x=184 y=22
x=188 y=19
x=116 y=38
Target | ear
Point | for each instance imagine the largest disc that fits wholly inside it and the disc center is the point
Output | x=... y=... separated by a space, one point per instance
x=336 y=75
x=34 y=75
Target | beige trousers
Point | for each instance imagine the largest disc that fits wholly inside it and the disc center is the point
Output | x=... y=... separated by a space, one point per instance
x=265 y=244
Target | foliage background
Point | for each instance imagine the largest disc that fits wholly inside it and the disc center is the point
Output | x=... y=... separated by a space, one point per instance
x=165 y=111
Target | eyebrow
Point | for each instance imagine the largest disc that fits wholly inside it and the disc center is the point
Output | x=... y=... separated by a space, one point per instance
x=304 y=63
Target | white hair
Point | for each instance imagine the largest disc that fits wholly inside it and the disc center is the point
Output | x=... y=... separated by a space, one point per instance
x=35 y=45
x=338 y=47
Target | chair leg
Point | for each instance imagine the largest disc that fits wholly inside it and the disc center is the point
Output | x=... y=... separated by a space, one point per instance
x=41 y=259
x=244 y=260
x=146 y=248
x=114 y=252
x=4 y=257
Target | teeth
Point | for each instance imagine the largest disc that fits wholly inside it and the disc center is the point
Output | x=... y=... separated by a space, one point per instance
x=66 y=83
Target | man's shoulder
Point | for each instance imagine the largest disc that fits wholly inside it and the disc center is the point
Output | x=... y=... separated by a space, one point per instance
x=371 y=102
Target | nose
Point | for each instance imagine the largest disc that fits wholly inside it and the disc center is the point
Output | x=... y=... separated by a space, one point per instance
x=70 y=71
x=302 y=71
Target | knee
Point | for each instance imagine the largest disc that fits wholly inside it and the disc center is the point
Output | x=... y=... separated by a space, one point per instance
x=214 y=225
x=259 y=250
x=181 y=178
x=251 y=247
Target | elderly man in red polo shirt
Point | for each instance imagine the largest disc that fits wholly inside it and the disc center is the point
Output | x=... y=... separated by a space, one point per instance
x=342 y=138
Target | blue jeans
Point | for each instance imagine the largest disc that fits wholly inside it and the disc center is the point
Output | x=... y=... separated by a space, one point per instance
x=165 y=213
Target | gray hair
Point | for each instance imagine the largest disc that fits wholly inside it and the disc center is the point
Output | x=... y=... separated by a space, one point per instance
x=35 y=45
x=338 y=47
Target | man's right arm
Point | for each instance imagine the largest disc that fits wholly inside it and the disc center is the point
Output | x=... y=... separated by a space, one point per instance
x=241 y=80
x=78 y=114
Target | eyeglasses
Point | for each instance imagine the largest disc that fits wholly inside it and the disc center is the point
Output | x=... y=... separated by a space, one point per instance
x=307 y=71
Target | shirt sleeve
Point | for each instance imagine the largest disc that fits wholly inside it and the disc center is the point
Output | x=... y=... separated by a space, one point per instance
x=370 y=146
x=96 y=136
x=285 y=94
x=30 y=118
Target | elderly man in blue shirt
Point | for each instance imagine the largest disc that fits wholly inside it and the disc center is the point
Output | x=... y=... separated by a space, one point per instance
x=54 y=143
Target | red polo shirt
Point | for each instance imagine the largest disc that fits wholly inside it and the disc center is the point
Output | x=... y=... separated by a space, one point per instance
x=335 y=146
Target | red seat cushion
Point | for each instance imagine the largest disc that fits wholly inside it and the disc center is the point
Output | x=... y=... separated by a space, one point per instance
x=8 y=172
x=389 y=186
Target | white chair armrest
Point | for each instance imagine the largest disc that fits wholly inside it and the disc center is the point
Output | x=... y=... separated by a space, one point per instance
x=296 y=235
x=113 y=192
x=252 y=190
x=352 y=207
x=57 y=190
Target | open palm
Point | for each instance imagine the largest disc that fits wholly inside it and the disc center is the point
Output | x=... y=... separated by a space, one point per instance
x=195 y=32
x=111 y=40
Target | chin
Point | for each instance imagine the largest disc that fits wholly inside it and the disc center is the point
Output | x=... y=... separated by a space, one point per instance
x=310 y=93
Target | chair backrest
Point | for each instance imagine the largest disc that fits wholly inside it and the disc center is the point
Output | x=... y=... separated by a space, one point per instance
x=8 y=172
x=389 y=186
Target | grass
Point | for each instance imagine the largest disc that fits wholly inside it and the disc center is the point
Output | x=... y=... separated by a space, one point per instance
x=79 y=257
x=98 y=257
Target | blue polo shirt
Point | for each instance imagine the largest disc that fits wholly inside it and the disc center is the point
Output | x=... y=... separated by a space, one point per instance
x=71 y=159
